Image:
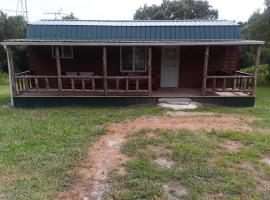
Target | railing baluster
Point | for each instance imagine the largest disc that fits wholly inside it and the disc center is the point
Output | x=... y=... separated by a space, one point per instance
x=137 y=84
x=72 y=84
x=214 y=84
x=93 y=84
x=117 y=84
x=19 y=84
x=244 y=83
x=83 y=84
x=224 y=83
x=234 y=83
x=127 y=84
x=36 y=83
x=47 y=83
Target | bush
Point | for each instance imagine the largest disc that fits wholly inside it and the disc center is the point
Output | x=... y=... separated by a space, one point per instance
x=3 y=78
x=263 y=74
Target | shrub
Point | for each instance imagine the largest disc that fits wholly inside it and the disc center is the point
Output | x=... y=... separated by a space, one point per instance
x=263 y=74
x=3 y=78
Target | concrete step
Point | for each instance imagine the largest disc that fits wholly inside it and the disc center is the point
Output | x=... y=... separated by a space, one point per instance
x=175 y=101
x=178 y=103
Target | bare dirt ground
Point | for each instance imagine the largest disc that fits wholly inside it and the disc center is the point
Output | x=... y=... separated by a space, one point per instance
x=104 y=155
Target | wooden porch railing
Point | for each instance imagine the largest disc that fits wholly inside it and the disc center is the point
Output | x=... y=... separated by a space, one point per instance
x=240 y=82
x=116 y=84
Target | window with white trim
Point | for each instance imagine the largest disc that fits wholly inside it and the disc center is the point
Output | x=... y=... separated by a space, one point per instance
x=133 y=59
x=64 y=51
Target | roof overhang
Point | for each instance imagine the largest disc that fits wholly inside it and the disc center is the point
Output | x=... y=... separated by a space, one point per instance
x=26 y=42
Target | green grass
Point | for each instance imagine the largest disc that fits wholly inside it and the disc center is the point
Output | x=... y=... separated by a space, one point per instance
x=191 y=153
x=39 y=147
x=3 y=78
x=4 y=94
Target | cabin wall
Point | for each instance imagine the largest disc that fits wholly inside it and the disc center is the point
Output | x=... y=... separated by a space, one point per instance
x=89 y=59
x=222 y=60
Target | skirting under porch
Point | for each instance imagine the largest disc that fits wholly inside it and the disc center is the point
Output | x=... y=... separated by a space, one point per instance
x=38 y=102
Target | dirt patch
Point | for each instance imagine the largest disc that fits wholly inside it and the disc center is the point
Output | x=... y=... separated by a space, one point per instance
x=266 y=160
x=209 y=123
x=174 y=191
x=104 y=155
x=262 y=185
x=159 y=151
x=233 y=145
x=188 y=114
x=163 y=162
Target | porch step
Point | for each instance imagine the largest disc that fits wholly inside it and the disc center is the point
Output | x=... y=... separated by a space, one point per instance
x=178 y=103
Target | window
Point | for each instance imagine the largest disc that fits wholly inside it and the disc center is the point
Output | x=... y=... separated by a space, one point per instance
x=64 y=51
x=133 y=59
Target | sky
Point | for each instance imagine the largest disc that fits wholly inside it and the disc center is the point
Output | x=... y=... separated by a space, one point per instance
x=236 y=10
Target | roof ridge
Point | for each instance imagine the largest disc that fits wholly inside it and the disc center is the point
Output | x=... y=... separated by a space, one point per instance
x=174 y=20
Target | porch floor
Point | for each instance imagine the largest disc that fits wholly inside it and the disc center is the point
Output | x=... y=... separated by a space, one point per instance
x=166 y=92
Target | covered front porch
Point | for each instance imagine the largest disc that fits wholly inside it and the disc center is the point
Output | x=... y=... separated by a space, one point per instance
x=143 y=84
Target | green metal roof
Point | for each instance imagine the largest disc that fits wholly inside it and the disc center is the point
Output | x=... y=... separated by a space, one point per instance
x=165 y=30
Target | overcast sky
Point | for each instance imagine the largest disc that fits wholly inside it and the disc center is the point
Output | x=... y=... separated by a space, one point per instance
x=238 y=10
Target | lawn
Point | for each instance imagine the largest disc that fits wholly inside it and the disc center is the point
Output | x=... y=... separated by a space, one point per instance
x=199 y=164
x=40 y=147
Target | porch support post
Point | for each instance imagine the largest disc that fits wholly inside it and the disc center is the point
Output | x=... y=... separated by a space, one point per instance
x=256 y=69
x=150 y=70
x=105 y=71
x=58 y=66
x=205 y=68
x=12 y=83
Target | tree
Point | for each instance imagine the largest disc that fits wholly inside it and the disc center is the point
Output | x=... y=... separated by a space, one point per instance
x=70 y=16
x=257 y=28
x=12 y=27
x=177 y=9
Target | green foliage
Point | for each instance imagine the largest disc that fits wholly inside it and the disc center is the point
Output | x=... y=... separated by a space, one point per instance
x=177 y=9
x=257 y=28
x=12 y=27
x=263 y=73
x=3 y=78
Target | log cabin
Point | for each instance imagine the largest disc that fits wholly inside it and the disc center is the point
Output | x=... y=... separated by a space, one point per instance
x=86 y=62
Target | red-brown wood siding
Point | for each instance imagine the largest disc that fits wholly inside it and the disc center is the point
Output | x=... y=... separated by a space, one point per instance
x=89 y=59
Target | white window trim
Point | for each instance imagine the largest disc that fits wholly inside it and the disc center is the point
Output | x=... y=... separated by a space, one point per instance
x=133 y=66
x=62 y=52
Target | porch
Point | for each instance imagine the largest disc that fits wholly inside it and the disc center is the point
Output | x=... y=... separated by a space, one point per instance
x=72 y=84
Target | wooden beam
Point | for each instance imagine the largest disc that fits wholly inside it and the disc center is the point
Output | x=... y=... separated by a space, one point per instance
x=12 y=83
x=58 y=66
x=105 y=71
x=256 y=69
x=150 y=70
x=205 y=67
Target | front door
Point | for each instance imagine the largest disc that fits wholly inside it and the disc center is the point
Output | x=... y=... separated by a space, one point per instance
x=169 y=67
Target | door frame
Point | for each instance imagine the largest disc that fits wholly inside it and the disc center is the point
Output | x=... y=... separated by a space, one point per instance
x=178 y=49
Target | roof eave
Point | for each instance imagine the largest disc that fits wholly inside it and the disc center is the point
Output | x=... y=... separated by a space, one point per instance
x=130 y=43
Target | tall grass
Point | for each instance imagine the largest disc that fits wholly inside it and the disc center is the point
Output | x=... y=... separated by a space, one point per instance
x=3 y=78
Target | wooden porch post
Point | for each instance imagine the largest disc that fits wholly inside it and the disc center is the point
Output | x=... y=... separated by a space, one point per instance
x=12 y=83
x=58 y=66
x=105 y=71
x=205 y=67
x=150 y=70
x=256 y=69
